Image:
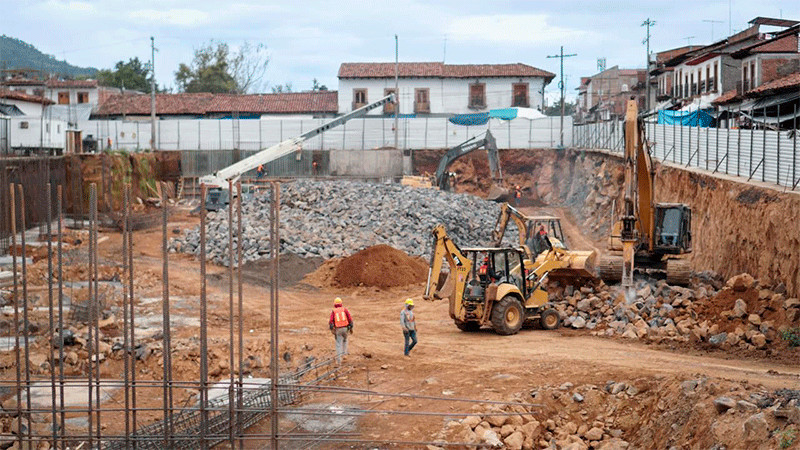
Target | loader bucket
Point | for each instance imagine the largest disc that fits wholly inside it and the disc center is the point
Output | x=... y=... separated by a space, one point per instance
x=498 y=193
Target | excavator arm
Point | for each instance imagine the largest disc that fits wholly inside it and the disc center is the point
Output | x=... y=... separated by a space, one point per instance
x=508 y=212
x=465 y=148
x=445 y=249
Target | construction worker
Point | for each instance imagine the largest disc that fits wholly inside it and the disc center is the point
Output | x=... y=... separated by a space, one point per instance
x=543 y=239
x=517 y=195
x=409 y=323
x=260 y=171
x=340 y=324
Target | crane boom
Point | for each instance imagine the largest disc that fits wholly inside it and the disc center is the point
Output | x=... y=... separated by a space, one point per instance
x=234 y=171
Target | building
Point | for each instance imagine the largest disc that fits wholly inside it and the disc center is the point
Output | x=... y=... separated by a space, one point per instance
x=431 y=88
x=64 y=92
x=605 y=95
x=220 y=106
x=696 y=78
x=18 y=103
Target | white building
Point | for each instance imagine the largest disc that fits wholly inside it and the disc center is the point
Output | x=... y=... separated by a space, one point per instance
x=24 y=103
x=437 y=88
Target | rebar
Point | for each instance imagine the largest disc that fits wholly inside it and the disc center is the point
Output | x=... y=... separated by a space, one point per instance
x=17 y=366
x=51 y=320
x=231 y=343
x=60 y=206
x=203 y=322
x=273 y=300
x=25 y=308
x=240 y=235
x=166 y=333
x=126 y=342
x=90 y=342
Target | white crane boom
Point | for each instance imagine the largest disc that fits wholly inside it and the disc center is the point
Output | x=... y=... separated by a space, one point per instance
x=234 y=171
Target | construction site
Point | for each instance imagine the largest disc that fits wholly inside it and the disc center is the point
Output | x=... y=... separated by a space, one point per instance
x=566 y=298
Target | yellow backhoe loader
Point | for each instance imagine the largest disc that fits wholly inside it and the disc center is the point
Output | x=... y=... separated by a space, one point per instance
x=647 y=235
x=491 y=286
x=543 y=240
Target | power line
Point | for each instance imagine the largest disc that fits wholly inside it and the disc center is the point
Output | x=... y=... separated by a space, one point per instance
x=647 y=23
x=561 y=56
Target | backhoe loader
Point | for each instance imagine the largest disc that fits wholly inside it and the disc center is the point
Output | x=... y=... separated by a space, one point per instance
x=491 y=286
x=647 y=235
x=543 y=240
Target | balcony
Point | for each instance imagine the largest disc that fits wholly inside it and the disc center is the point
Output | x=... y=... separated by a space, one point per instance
x=422 y=107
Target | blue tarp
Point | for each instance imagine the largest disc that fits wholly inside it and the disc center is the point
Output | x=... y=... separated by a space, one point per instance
x=697 y=118
x=482 y=118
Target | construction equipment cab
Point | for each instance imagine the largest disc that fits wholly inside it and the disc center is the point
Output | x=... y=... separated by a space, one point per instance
x=218 y=195
x=646 y=235
x=490 y=286
x=487 y=141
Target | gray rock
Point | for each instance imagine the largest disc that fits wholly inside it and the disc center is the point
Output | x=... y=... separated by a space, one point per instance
x=578 y=322
x=577 y=397
x=718 y=339
x=740 y=308
x=724 y=403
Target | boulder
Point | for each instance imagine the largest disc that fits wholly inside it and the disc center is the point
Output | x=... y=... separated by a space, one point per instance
x=741 y=282
x=514 y=440
x=718 y=339
x=491 y=438
x=756 y=428
x=755 y=319
x=578 y=322
x=759 y=340
x=471 y=421
x=594 y=434
x=739 y=308
x=723 y=404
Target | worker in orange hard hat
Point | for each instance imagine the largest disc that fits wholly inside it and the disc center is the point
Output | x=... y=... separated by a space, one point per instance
x=409 y=323
x=517 y=195
x=340 y=324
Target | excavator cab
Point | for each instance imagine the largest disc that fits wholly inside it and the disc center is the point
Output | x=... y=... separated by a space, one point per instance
x=673 y=233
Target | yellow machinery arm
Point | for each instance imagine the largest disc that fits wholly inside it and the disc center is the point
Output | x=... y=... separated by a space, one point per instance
x=508 y=212
x=460 y=265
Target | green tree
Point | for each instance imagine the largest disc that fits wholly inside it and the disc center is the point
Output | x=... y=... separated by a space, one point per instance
x=130 y=75
x=282 y=88
x=216 y=69
x=318 y=87
x=555 y=109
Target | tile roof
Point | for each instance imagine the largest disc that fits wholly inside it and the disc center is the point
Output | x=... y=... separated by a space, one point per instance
x=726 y=97
x=788 y=82
x=439 y=70
x=205 y=103
x=22 y=96
x=53 y=83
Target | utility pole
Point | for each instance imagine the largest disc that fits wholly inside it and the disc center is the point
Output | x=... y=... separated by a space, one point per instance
x=396 y=89
x=561 y=56
x=647 y=23
x=712 y=22
x=152 y=93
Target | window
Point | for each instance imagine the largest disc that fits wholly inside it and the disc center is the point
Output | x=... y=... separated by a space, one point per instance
x=359 y=98
x=715 y=78
x=38 y=91
x=477 y=95
x=745 y=83
x=520 y=95
x=753 y=74
x=63 y=98
x=708 y=79
x=23 y=125
x=388 y=108
x=83 y=97
x=422 y=103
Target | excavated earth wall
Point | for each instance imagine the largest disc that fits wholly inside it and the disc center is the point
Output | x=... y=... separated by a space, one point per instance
x=737 y=226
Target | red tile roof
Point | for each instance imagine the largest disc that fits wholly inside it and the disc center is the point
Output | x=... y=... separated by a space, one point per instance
x=788 y=82
x=55 y=84
x=22 y=96
x=205 y=103
x=726 y=97
x=440 y=70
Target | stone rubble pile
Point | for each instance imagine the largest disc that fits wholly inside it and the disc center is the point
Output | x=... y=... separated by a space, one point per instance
x=660 y=312
x=331 y=219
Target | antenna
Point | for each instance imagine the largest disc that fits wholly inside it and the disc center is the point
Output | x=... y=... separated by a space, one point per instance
x=444 y=54
x=689 y=40
x=712 y=22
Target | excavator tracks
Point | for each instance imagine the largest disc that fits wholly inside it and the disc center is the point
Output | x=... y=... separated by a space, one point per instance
x=679 y=272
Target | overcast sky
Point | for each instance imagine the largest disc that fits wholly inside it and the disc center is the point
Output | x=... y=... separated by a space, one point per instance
x=309 y=39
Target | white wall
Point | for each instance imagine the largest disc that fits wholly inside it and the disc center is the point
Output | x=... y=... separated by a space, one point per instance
x=447 y=96
x=52 y=94
x=28 y=108
x=54 y=135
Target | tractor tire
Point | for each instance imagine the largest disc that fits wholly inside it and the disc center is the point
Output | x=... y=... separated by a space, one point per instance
x=550 y=320
x=609 y=268
x=507 y=316
x=679 y=272
x=468 y=326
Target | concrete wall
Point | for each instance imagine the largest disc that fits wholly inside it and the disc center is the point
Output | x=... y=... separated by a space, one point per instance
x=373 y=163
x=447 y=96
x=28 y=108
x=25 y=132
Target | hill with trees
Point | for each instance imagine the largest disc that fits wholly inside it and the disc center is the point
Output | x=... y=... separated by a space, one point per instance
x=18 y=54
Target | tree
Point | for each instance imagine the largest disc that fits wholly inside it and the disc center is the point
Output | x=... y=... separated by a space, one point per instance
x=555 y=109
x=282 y=88
x=318 y=87
x=216 y=69
x=130 y=75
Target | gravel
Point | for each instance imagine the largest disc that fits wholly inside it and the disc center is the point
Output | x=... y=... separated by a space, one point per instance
x=338 y=218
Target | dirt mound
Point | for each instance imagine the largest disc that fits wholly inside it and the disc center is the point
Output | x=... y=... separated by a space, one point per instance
x=380 y=266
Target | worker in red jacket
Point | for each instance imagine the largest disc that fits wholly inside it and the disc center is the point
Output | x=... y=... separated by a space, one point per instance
x=340 y=323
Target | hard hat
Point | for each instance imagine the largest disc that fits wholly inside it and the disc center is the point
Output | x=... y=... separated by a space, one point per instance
x=337 y=301
x=409 y=302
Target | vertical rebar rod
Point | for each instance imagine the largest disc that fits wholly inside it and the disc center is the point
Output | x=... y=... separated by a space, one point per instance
x=133 y=322
x=15 y=275
x=231 y=343
x=203 y=322
x=126 y=343
x=240 y=236
x=25 y=306
x=166 y=350
x=59 y=205
x=50 y=311
x=90 y=312
x=273 y=300
x=97 y=311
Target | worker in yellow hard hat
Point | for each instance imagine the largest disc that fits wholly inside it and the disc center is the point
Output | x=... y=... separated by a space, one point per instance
x=340 y=324
x=409 y=323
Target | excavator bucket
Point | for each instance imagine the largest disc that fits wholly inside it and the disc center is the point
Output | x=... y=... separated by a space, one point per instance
x=576 y=265
x=498 y=193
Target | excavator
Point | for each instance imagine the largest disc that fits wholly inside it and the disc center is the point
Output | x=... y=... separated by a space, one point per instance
x=490 y=286
x=442 y=176
x=647 y=235
x=576 y=266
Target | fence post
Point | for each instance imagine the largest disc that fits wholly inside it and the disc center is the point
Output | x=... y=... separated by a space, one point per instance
x=530 y=129
x=137 y=136
x=446 y=132
x=794 y=147
x=764 y=148
x=199 y=134
x=179 y=135
x=363 y=128
x=752 y=139
x=344 y=134
x=281 y=130
x=509 y=134
x=260 y=138
x=739 y=144
x=778 y=139
x=219 y=126
x=426 y=132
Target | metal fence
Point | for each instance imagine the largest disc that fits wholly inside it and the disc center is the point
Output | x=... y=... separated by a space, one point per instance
x=357 y=134
x=764 y=155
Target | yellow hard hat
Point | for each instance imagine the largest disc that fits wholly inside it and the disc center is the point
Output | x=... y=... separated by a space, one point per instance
x=409 y=302
x=337 y=301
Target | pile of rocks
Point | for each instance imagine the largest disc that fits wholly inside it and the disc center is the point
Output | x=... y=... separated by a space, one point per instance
x=658 y=311
x=331 y=219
